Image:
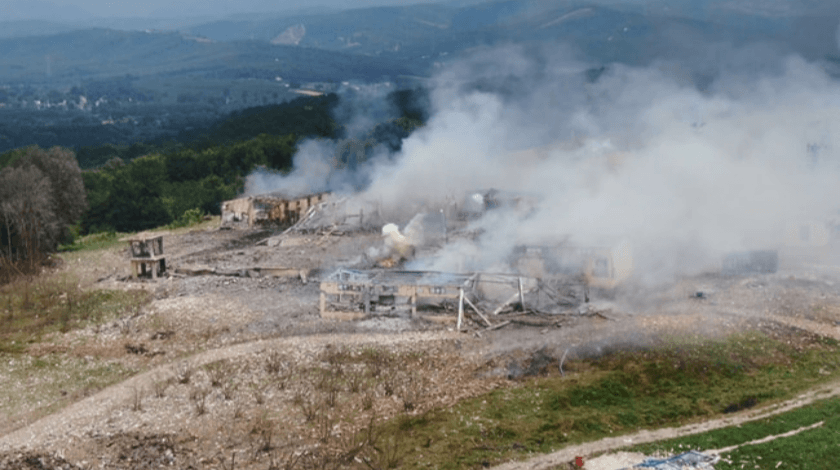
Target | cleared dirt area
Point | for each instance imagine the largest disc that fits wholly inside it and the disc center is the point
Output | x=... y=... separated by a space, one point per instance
x=233 y=367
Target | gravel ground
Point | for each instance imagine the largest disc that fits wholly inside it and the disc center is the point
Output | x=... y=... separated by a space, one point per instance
x=241 y=318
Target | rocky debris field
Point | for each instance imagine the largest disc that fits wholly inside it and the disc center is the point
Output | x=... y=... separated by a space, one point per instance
x=235 y=368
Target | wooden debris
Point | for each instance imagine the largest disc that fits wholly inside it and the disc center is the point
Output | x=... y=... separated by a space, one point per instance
x=563 y=359
x=195 y=270
x=467 y=300
x=506 y=303
x=460 y=310
x=534 y=321
x=499 y=325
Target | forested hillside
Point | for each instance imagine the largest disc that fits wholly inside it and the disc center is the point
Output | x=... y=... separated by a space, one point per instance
x=145 y=185
x=154 y=53
x=304 y=116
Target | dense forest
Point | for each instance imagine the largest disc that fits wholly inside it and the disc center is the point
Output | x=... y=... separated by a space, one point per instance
x=46 y=197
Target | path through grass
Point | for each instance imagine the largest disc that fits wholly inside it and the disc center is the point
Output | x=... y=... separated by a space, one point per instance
x=678 y=382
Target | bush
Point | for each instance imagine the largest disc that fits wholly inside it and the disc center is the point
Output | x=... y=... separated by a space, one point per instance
x=189 y=218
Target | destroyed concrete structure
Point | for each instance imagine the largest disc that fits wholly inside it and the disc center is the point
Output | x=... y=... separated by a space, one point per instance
x=268 y=209
x=146 y=251
x=811 y=241
x=750 y=262
x=349 y=294
x=602 y=267
x=339 y=213
x=358 y=293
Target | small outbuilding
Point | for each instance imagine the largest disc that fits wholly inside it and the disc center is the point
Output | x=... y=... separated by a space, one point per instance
x=146 y=250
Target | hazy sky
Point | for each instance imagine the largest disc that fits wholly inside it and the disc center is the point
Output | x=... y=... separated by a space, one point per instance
x=76 y=10
x=80 y=9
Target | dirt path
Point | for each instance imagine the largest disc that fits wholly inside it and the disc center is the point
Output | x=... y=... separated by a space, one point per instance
x=92 y=414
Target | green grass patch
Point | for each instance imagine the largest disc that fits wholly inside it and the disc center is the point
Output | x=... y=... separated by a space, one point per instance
x=190 y=220
x=30 y=309
x=681 y=381
x=94 y=241
x=815 y=448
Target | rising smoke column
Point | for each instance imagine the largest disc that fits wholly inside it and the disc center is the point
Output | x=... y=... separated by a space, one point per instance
x=686 y=173
x=340 y=165
x=640 y=154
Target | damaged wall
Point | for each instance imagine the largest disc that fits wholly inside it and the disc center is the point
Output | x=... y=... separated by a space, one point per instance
x=268 y=209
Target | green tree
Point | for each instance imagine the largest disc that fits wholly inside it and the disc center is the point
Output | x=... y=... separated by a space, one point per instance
x=136 y=202
x=42 y=193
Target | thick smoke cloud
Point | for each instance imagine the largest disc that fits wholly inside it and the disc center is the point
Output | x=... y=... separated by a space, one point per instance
x=685 y=173
x=342 y=165
x=313 y=170
x=642 y=155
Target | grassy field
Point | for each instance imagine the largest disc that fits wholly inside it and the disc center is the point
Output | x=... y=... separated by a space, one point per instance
x=41 y=375
x=34 y=308
x=805 y=438
x=679 y=382
x=95 y=241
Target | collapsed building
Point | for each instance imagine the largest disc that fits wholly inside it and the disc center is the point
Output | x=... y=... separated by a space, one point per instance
x=803 y=242
x=351 y=294
x=812 y=241
x=268 y=209
x=342 y=213
x=347 y=294
x=603 y=267
x=549 y=279
x=543 y=280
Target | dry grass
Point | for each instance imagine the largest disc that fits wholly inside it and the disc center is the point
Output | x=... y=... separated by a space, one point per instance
x=198 y=397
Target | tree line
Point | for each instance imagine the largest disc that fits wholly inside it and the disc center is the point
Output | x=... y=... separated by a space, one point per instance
x=157 y=189
x=42 y=195
x=46 y=198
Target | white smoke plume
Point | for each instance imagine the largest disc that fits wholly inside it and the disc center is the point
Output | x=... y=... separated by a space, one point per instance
x=638 y=154
x=312 y=171
x=317 y=164
x=316 y=169
x=684 y=175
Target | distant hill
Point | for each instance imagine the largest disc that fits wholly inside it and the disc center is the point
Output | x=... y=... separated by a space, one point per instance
x=100 y=53
x=23 y=28
x=365 y=31
x=606 y=30
x=373 y=43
